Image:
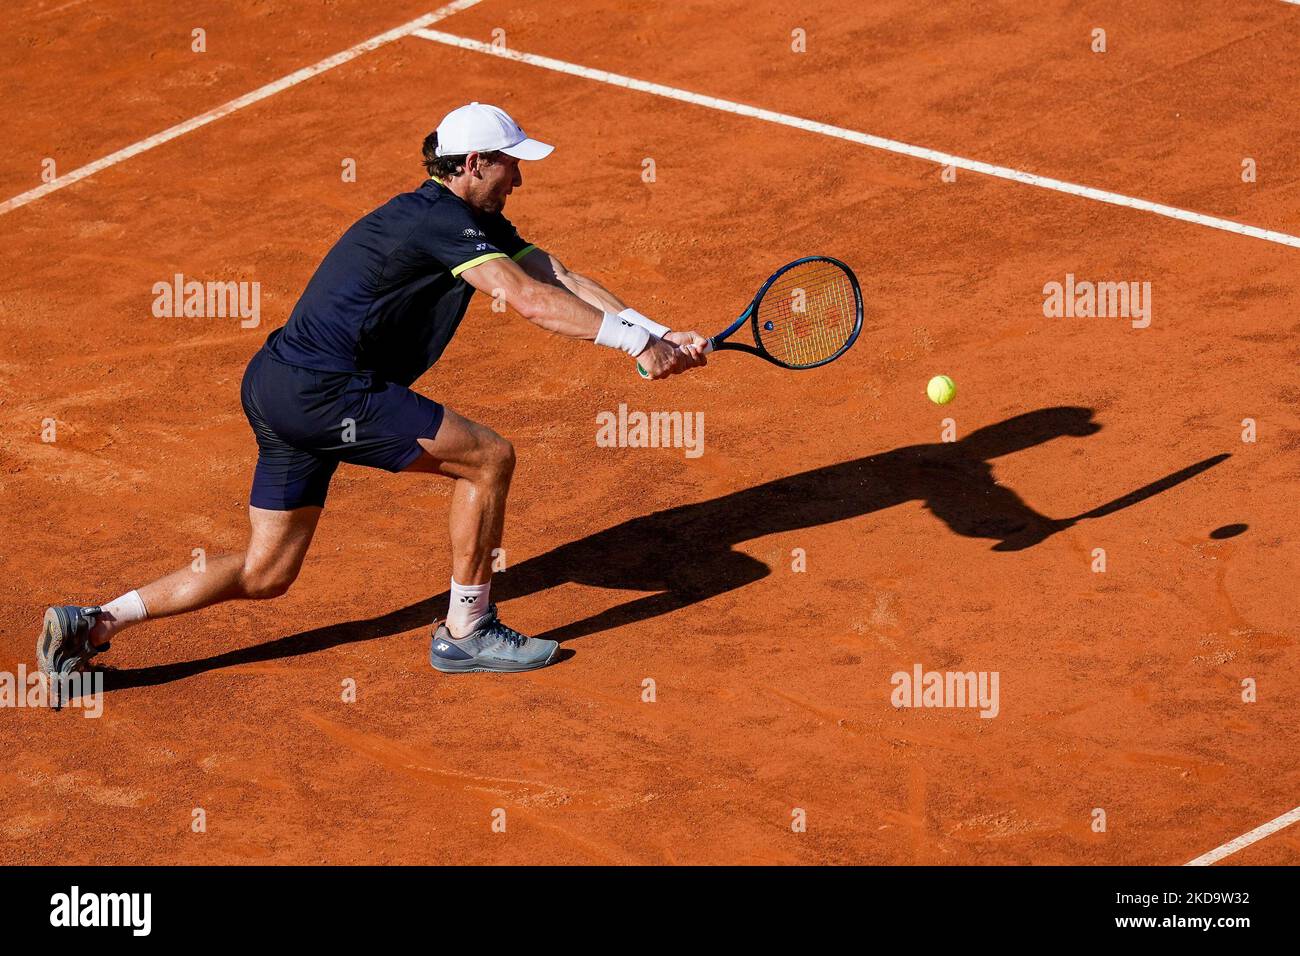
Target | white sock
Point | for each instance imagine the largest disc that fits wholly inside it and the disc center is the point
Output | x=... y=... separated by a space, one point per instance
x=126 y=610
x=469 y=603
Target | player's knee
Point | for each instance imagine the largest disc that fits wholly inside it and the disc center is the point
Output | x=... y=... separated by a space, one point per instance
x=499 y=459
x=261 y=583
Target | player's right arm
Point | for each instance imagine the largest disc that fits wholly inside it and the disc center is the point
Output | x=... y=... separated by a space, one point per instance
x=558 y=310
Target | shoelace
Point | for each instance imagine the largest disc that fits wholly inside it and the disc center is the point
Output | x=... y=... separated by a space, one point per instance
x=507 y=634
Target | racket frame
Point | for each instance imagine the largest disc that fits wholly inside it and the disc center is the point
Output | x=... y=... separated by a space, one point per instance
x=718 y=342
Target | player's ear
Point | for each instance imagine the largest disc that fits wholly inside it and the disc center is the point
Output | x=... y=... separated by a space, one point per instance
x=472 y=163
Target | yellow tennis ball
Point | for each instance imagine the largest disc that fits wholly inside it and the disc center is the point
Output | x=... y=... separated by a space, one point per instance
x=941 y=390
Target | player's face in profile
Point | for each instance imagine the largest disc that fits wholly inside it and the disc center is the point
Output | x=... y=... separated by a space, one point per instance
x=499 y=179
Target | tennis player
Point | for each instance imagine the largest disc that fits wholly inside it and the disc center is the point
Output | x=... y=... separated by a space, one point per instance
x=333 y=385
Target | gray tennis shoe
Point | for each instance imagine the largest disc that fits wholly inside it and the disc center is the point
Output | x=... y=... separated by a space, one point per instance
x=64 y=647
x=489 y=647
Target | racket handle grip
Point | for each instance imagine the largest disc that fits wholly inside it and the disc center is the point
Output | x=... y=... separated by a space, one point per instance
x=708 y=347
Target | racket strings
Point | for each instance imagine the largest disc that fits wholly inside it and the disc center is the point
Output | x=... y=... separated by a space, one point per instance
x=808 y=314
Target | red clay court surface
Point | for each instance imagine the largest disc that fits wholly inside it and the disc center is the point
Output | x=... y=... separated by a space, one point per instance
x=1119 y=690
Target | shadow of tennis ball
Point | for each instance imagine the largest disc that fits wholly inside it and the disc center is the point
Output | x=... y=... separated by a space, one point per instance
x=1228 y=531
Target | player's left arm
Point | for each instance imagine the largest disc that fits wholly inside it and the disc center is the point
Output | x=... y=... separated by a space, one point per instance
x=544 y=267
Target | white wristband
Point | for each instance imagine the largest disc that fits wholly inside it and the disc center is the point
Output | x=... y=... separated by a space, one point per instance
x=632 y=315
x=617 y=333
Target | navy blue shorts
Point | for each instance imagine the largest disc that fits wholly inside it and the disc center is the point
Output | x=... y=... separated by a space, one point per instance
x=306 y=422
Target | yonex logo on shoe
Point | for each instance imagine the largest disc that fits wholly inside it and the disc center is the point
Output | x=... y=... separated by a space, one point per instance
x=34 y=689
x=443 y=646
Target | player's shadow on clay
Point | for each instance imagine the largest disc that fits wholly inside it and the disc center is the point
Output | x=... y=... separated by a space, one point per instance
x=686 y=554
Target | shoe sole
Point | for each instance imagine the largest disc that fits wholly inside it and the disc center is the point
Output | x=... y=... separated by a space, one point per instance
x=55 y=628
x=54 y=631
x=477 y=667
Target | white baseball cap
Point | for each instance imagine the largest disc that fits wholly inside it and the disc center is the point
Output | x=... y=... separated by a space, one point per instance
x=479 y=128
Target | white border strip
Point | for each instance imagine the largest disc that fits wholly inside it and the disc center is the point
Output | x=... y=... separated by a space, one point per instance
x=180 y=129
x=865 y=139
x=1246 y=839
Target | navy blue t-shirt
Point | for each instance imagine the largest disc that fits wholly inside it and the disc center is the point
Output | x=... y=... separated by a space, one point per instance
x=388 y=297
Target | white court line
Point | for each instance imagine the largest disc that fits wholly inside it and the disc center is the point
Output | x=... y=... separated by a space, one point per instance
x=1246 y=839
x=865 y=139
x=180 y=129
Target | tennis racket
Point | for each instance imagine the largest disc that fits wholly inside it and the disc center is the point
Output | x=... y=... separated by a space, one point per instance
x=807 y=314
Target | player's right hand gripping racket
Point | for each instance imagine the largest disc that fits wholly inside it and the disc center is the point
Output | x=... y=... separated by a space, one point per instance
x=809 y=313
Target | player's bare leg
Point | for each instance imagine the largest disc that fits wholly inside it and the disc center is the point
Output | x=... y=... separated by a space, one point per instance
x=277 y=544
x=482 y=463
